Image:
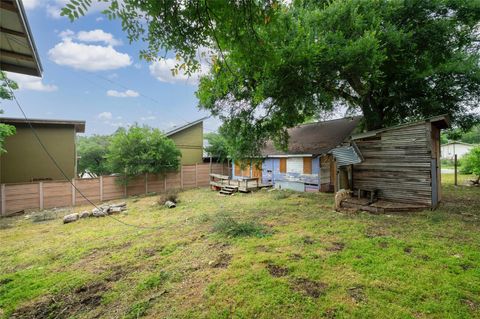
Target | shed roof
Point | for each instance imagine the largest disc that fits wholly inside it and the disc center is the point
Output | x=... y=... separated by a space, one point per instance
x=184 y=127
x=441 y=121
x=78 y=125
x=316 y=138
x=17 y=49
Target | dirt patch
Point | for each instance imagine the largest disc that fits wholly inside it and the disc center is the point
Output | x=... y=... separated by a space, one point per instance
x=307 y=240
x=295 y=256
x=408 y=250
x=473 y=306
x=330 y=313
x=117 y=273
x=336 y=246
x=357 y=294
x=372 y=232
x=150 y=252
x=222 y=261
x=466 y=266
x=82 y=299
x=5 y=281
x=383 y=244
x=310 y=288
x=277 y=271
x=263 y=248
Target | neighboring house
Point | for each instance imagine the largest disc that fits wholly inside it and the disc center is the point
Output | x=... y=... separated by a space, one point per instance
x=189 y=140
x=17 y=49
x=449 y=150
x=402 y=163
x=27 y=161
x=310 y=163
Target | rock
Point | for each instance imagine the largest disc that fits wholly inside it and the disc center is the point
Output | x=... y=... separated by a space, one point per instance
x=115 y=210
x=85 y=214
x=96 y=212
x=70 y=218
x=170 y=204
x=122 y=204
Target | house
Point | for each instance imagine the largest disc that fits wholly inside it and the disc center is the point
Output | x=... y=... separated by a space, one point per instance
x=449 y=150
x=189 y=140
x=315 y=151
x=17 y=49
x=401 y=163
x=27 y=161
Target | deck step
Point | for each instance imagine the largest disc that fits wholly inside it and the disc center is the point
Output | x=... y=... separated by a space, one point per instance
x=225 y=192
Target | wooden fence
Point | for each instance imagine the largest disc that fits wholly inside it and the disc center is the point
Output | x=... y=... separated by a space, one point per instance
x=50 y=194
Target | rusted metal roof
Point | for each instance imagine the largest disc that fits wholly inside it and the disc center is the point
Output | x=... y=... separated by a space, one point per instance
x=316 y=138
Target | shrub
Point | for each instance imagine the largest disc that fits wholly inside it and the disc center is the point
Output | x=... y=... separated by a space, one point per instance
x=471 y=162
x=232 y=228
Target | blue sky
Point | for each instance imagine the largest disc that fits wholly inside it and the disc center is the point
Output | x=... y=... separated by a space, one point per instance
x=92 y=73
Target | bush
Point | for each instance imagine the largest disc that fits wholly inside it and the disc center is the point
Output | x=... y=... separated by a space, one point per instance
x=170 y=195
x=232 y=228
x=471 y=162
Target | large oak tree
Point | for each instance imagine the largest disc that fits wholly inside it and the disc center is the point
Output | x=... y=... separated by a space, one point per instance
x=276 y=64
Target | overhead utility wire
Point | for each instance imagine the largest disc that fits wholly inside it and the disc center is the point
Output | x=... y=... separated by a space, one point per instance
x=65 y=175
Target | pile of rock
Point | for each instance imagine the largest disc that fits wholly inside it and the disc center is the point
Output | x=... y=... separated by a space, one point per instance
x=101 y=211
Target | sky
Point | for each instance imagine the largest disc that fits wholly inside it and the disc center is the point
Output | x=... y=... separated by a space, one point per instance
x=92 y=73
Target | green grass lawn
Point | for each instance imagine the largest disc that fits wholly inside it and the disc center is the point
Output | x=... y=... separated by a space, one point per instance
x=260 y=255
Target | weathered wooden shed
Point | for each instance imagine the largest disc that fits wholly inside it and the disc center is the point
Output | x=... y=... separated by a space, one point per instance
x=401 y=163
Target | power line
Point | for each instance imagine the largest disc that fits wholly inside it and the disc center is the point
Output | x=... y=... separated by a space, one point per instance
x=64 y=174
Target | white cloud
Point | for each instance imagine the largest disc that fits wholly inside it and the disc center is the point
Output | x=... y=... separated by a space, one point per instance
x=88 y=57
x=148 y=118
x=106 y=116
x=30 y=4
x=127 y=93
x=33 y=83
x=97 y=35
x=162 y=71
x=99 y=19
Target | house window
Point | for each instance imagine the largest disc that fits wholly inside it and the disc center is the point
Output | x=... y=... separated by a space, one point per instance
x=295 y=165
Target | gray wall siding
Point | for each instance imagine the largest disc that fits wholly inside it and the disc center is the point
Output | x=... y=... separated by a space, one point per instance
x=398 y=164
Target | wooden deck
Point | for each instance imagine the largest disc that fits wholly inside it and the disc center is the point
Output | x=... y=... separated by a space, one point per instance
x=245 y=185
x=381 y=206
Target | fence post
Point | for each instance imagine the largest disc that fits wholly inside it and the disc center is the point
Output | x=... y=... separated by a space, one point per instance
x=456 y=169
x=146 y=183
x=181 y=176
x=165 y=182
x=40 y=194
x=74 y=193
x=196 y=175
x=125 y=191
x=4 y=208
x=101 y=188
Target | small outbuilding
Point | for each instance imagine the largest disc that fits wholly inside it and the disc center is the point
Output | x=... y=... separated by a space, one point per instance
x=402 y=163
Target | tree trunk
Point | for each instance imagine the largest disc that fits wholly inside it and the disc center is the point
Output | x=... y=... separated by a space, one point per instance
x=373 y=114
